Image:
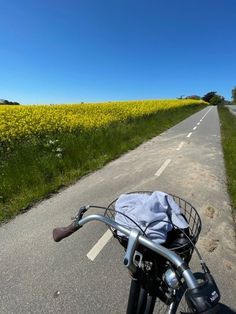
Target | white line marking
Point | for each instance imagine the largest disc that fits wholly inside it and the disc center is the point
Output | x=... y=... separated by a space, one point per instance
x=198 y=123
x=206 y=113
x=162 y=168
x=141 y=183
x=180 y=146
x=194 y=128
x=189 y=134
x=96 y=249
x=117 y=177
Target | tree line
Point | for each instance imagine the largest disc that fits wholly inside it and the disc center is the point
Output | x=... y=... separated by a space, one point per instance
x=7 y=102
x=214 y=98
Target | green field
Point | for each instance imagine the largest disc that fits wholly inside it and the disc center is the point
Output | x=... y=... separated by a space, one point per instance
x=228 y=134
x=32 y=168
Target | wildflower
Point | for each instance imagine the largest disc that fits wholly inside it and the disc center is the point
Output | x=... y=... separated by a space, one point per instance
x=23 y=122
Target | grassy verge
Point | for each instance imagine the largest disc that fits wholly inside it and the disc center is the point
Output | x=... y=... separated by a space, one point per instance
x=33 y=169
x=228 y=132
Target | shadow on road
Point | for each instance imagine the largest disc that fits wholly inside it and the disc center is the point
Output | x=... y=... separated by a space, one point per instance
x=224 y=309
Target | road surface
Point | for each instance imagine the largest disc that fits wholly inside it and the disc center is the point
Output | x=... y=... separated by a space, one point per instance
x=232 y=109
x=41 y=276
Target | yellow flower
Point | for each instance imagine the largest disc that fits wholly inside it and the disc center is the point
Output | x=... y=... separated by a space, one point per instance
x=20 y=122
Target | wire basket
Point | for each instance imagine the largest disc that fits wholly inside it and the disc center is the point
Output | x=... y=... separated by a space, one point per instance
x=191 y=215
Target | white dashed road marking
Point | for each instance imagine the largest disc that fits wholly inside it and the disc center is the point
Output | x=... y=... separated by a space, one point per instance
x=162 y=168
x=96 y=249
x=205 y=114
x=180 y=146
x=117 y=177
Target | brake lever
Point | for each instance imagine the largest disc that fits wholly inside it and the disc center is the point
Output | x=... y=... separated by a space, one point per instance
x=80 y=214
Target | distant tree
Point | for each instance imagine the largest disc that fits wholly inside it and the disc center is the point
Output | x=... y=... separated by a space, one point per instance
x=208 y=96
x=227 y=103
x=7 y=102
x=234 y=96
x=193 y=97
x=217 y=100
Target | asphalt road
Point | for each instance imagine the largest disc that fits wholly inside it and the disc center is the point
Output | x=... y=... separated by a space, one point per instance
x=41 y=276
x=232 y=108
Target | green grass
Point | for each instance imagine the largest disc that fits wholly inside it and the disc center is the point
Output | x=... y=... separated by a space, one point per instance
x=31 y=170
x=228 y=134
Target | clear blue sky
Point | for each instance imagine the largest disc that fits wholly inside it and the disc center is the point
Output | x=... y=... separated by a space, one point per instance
x=68 y=51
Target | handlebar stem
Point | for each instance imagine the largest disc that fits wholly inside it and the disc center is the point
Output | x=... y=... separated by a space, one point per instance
x=132 y=244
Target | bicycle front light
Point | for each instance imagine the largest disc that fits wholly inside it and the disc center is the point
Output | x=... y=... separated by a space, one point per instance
x=171 y=279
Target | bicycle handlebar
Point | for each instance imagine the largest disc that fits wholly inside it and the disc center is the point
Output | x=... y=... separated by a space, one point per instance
x=204 y=297
x=63 y=232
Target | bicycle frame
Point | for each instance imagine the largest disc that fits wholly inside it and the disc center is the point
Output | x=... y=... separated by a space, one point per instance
x=203 y=297
x=145 y=303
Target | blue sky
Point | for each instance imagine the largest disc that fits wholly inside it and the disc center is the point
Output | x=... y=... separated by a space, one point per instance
x=69 y=51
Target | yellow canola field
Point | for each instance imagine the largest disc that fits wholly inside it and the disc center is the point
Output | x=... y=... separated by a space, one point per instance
x=18 y=122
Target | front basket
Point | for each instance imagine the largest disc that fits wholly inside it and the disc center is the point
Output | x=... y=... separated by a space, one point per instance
x=191 y=215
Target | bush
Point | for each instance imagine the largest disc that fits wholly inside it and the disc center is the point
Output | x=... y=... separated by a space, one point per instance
x=216 y=100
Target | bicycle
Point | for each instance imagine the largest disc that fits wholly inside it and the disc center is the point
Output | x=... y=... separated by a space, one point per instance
x=160 y=274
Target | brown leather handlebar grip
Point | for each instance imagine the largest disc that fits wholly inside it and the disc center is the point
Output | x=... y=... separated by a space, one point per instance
x=63 y=232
